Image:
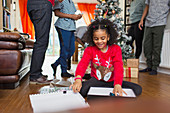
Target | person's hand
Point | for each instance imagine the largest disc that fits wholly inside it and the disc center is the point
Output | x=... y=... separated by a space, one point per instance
x=118 y=89
x=140 y=25
x=76 y=86
x=76 y=17
x=80 y=15
x=60 y=1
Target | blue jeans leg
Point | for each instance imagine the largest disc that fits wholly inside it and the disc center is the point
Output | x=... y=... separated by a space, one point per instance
x=72 y=46
x=67 y=48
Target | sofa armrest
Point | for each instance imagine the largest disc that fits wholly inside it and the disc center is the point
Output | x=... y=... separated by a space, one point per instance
x=12 y=37
x=9 y=36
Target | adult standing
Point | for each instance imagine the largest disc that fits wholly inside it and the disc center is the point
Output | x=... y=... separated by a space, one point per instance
x=156 y=12
x=40 y=12
x=136 y=10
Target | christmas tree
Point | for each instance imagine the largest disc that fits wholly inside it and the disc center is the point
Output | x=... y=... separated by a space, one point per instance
x=110 y=9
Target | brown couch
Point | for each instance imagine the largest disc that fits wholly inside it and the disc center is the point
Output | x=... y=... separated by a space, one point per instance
x=15 y=59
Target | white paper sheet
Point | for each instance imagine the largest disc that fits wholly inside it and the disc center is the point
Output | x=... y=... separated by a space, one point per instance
x=103 y=91
x=56 y=102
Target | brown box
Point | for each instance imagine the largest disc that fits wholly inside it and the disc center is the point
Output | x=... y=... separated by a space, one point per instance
x=133 y=63
x=131 y=72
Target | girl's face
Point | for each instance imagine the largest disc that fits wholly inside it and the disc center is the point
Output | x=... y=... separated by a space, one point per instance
x=100 y=38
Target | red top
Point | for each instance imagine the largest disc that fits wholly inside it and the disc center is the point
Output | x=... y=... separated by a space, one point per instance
x=52 y=2
x=106 y=66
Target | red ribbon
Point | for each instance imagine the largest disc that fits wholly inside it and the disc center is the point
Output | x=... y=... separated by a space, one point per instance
x=129 y=69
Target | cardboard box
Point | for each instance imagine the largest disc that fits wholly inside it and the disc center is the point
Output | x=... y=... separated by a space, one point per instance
x=133 y=63
x=131 y=72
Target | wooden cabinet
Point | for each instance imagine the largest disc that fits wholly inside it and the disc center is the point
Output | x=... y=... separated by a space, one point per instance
x=127 y=14
x=5 y=15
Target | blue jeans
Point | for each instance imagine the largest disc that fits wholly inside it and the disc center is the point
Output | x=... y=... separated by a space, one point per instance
x=67 y=48
x=40 y=12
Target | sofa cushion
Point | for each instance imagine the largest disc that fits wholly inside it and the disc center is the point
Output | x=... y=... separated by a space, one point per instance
x=11 y=45
x=9 y=79
x=10 y=62
x=9 y=36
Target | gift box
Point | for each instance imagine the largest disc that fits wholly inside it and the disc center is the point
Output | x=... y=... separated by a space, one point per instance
x=133 y=63
x=131 y=72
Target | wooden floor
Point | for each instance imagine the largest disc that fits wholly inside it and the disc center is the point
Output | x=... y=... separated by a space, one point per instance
x=17 y=100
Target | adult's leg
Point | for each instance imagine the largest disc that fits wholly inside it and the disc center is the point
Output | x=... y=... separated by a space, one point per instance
x=138 y=34
x=40 y=12
x=158 y=32
x=135 y=87
x=148 y=46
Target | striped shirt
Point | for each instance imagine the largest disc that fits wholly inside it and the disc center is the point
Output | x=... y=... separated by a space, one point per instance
x=67 y=7
x=157 y=13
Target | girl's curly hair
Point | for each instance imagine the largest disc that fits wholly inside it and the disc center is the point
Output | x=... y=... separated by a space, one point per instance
x=104 y=24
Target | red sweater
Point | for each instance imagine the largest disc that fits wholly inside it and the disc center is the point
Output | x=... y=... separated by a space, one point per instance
x=106 y=66
x=52 y=2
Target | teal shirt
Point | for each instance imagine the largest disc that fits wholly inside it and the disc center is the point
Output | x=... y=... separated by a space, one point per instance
x=136 y=10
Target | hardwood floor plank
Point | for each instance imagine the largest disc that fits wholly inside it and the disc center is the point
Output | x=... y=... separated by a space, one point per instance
x=17 y=100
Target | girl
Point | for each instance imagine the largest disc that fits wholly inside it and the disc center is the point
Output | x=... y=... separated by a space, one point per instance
x=105 y=58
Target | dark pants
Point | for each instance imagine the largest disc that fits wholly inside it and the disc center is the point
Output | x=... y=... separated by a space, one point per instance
x=137 y=35
x=40 y=12
x=153 y=39
x=93 y=82
x=67 y=48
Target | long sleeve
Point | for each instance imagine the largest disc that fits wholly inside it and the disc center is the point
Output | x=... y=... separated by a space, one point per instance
x=118 y=66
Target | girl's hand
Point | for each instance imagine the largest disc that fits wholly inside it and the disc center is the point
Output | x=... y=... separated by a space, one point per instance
x=76 y=86
x=118 y=89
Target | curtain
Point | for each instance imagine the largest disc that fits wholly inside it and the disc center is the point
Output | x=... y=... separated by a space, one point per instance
x=27 y=25
x=88 y=11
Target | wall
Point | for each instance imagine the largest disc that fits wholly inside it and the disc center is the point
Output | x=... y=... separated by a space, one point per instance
x=15 y=16
x=168 y=22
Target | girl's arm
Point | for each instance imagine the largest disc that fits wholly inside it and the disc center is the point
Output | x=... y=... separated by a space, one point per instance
x=118 y=71
x=143 y=17
x=64 y=15
x=81 y=69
